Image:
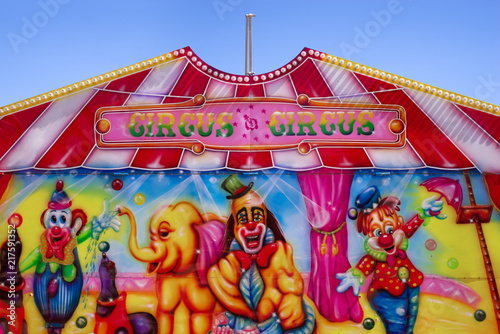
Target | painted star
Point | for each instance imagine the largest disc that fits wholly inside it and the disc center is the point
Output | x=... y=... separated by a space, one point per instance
x=267 y=122
x=251 y=106
x=256 y=138
x=238 y=110
x=244 y=135
x=235 y=124
x=263 y=111
x=267 y=136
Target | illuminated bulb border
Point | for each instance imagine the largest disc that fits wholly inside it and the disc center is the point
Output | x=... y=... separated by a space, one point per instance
x=222 y=76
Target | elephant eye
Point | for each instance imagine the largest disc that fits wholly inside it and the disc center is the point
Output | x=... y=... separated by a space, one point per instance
x=164 y=233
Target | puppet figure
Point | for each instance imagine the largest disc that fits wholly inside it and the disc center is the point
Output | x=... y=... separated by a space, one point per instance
x=58 y=279
x=255 y=278
x=394 y=291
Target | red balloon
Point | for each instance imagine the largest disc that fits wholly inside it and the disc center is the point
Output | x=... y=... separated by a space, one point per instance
x=117 y=184
x=15 y=220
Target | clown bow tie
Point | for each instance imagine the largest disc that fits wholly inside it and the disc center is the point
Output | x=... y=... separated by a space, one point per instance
x=391 y=259
x=262 y=257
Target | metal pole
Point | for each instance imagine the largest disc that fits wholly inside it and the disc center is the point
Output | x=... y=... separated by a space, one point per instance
x=248 y=44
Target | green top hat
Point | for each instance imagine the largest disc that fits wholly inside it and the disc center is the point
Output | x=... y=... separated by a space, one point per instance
x=234 y=186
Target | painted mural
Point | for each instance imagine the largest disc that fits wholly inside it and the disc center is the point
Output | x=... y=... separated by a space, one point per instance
x=263 y=252
x=323 y=197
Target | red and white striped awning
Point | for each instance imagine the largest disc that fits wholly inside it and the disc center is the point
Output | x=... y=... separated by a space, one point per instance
x=56 y=130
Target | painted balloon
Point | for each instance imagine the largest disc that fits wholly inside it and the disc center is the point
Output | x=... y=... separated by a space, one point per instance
x=352 y=213
x=452 y=263
x=104 y=246
x=368 y=323
x=139 y=199
x=430 y=244
x=81 y=322
x=117 y=184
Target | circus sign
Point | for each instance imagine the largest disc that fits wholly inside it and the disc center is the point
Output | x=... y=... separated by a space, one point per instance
x=251 y=124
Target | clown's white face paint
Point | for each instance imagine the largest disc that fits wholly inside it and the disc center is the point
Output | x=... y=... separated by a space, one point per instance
x=249 y=214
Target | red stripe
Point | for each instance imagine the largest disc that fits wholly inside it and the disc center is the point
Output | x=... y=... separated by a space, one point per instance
x=171 y=99
x=307 y=80
x=76 y=142
x=157 y=158
x=191 y=82
x=14 y=125
x=128 y=83
x=374 y=85
x=490 y=123
x=249 y=160
x=344 y=157
x=429 y=141
x=251 y=90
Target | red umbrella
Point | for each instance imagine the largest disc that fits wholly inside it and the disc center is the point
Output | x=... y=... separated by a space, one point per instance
x=448 y=188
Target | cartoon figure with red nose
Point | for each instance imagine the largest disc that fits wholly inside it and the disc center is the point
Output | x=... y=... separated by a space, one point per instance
x=58 y=279
x=394 y=291
x=255 y=278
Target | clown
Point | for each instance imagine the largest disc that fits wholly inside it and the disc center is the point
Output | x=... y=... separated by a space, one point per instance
x=255 y=278
x=58 y=279
x=394 y=291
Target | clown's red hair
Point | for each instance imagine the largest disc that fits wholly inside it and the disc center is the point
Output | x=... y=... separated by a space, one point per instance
x=386 y=208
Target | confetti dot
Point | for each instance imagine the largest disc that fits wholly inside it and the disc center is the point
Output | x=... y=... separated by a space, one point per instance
x=452 y=263
x=81 y=322
x=139 y=199
x=117 y=184
x=368 y=323
x=430 y=244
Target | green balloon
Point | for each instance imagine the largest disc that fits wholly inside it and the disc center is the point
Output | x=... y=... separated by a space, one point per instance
x=368 y=323
x=104 y=246
x=81 y=322
x=480 y=315
x=452 y=263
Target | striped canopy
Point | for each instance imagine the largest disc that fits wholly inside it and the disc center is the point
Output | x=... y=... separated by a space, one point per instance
x=56 y=130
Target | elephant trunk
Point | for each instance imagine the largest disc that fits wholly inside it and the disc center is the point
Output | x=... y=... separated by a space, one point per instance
x=145 y=254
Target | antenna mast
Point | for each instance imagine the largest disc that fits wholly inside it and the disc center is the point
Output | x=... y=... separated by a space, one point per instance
x=248 y=45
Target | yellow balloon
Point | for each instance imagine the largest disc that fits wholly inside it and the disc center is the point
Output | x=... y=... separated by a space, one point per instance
x=139 y=199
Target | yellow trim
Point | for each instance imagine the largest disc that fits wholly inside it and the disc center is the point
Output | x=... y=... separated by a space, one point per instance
x=314 y=54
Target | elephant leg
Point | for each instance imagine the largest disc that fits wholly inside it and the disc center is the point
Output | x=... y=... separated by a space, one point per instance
x=165 y=322
x=201 y=322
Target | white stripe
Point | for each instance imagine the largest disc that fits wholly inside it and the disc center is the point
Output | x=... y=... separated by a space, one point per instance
x=217 y=89
x=281 y=87
x=471 y=139
x=45 y=131
x=403 y=157
x=209 y=160
x=342 y=82
x=292 y=159
x=109 y=158
x=162 y=78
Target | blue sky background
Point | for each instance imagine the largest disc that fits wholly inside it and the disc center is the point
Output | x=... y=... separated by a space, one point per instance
x=47 y=44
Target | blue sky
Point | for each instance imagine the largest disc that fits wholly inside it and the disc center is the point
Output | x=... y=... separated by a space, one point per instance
x=47 y=44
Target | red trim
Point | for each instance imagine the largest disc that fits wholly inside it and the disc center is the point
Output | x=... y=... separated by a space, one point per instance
x=191 y=82
x=308 y=80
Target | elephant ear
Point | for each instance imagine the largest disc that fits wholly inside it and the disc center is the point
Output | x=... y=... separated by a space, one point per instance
x=210 y=235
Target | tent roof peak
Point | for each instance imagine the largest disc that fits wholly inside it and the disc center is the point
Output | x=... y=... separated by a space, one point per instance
x=196 y=61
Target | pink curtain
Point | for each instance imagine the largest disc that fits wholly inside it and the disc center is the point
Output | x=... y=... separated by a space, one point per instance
x=327 y=198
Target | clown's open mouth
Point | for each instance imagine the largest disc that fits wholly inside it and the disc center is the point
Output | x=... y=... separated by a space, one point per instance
x=390 y=249
x=253 y=241
x=56 y=241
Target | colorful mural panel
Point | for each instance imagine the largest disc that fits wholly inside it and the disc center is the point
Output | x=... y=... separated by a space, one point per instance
x=244 y=252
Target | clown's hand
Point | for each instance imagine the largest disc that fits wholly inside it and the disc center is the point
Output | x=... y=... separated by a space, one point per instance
x=431 y=207
x=351 y=278
x=105 y=220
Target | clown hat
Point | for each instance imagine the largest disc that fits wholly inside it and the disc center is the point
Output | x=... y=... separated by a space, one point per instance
x=368 y=199
x=59 y=199
x=234 y=186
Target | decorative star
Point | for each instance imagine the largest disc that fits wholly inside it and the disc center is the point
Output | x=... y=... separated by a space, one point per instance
x=238 y=110
x=235 y=124
x=263 y=111
x=256 y=138
x=244 y=135
x=267 y=136
x=267 y=122
x=251 y=106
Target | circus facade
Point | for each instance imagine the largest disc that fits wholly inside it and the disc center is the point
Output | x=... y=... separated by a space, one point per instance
x=323 y=197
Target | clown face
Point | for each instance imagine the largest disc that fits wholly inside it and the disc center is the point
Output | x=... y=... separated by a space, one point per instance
x=58 y=227
x=250 y=222
x=385 y=235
